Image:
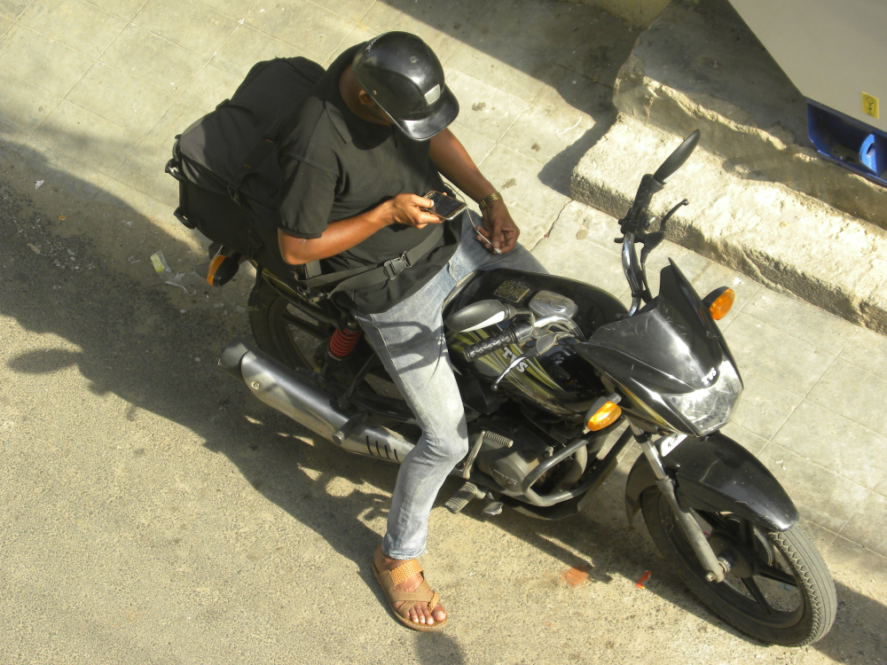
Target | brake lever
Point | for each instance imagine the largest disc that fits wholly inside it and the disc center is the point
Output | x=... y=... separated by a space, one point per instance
x=668 y=215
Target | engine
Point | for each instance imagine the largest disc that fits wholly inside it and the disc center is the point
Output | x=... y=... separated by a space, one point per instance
x=511 y=453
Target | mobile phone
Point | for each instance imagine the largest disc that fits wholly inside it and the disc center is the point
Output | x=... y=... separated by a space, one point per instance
x=445 y=207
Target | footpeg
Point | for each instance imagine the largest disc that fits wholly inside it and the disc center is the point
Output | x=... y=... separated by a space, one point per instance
x=350 y=425
x=463 y=497
x=493 y=508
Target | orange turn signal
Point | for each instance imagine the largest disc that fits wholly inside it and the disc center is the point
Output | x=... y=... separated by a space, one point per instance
x=721 y=305
x=214 y=268
x=604 y=417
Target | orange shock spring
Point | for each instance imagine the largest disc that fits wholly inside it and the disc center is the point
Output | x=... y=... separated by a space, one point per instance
x=343 y=342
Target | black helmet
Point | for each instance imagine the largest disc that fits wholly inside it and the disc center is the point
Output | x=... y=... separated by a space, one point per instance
x=404 y=77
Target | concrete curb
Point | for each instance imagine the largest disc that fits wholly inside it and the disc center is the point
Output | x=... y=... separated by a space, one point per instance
x=762 y=229
x=700 y=67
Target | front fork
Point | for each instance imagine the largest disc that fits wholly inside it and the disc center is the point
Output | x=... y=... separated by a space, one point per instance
x=715 y=569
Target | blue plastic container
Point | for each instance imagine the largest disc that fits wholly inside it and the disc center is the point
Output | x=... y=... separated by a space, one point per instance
x=848 y=142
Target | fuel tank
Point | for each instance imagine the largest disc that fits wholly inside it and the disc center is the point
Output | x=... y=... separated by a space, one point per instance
x=559 y=381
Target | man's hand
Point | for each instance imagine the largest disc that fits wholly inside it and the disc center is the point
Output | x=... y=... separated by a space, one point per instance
x=499 y=229
x=406 y=209
x=409 y=210
x=454 y=163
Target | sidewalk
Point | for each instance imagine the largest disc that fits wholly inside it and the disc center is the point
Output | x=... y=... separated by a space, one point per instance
x=94 y=91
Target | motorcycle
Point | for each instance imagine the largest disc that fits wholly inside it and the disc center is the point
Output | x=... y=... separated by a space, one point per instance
x=550 y=370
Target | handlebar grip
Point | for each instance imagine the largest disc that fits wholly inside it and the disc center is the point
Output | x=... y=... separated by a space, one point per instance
x=490 y=344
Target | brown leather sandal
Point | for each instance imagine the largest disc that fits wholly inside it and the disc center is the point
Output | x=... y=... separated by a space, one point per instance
x=423 y=594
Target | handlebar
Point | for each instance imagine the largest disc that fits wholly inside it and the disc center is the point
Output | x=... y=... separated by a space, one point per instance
x=490 y=344
x=637 y=220
x=520 y=333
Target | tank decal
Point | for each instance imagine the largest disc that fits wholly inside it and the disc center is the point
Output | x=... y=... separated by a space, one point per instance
x=535 y=383
x=529 y=378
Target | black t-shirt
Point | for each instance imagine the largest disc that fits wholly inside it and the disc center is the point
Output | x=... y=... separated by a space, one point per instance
x=335 y=166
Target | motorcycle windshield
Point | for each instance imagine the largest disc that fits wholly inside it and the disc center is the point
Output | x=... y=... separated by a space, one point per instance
x=674 y=347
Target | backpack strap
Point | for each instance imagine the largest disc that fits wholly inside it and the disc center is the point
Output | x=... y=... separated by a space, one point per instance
x=258 y=154
x=255 y=157
x=358 y=278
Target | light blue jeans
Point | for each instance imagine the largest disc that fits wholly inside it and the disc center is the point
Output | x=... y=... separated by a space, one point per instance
x=409 y=339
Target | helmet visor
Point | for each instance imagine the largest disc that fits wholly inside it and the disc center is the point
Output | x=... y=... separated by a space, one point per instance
x=421 y=129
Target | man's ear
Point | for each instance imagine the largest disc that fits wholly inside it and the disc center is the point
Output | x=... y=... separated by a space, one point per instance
x=365 y=98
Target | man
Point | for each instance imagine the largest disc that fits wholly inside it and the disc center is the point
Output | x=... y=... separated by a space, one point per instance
x=359 y=153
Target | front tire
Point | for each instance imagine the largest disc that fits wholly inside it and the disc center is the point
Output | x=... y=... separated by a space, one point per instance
x=778 y=589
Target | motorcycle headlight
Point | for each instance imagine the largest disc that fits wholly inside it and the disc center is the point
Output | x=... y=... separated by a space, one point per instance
x=709 y=409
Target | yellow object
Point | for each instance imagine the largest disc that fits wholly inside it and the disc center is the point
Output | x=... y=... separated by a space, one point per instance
x=158 y=263
x=607 y=415
x=870 y=105
x=722 y=305
x=213 y=268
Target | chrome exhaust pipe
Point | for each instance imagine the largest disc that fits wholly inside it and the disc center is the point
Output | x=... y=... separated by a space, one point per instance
x=293 y=393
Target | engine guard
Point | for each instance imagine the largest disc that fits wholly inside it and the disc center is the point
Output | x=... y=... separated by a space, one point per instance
x=717 y=474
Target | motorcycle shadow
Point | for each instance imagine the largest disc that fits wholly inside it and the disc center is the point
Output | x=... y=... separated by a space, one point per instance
x=306 y=476
x=125 y=339
x=344 y=499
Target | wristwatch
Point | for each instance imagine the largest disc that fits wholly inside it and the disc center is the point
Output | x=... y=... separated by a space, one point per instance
x=487 y=200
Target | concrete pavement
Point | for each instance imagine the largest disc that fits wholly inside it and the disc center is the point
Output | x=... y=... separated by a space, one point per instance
x=125 y=522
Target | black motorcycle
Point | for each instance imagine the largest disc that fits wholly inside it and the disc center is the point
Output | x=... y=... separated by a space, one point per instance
x=549 y=369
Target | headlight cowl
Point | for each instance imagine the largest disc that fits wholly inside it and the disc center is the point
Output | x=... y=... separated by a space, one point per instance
x=709 y=409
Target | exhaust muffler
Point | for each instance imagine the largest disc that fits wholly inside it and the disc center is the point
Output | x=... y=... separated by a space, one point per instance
x=293 y=393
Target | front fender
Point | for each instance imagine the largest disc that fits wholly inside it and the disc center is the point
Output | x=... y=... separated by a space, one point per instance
x=717 y=474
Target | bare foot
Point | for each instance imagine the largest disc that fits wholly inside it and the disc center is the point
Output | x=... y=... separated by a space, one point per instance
x=419 y=613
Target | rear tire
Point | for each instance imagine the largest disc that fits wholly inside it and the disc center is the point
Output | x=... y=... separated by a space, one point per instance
x=279 y=329
x=778 y=590
x=275 y=325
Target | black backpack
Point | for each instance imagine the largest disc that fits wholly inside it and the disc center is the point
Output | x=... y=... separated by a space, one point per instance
x=226 y=163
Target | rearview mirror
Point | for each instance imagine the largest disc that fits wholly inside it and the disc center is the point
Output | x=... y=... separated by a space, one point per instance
x=677 y=158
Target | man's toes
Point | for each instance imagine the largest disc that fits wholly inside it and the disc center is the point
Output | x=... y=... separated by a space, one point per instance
x=439 y=614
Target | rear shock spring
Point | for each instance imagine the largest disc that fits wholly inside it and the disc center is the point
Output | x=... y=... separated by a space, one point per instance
x=342 y=343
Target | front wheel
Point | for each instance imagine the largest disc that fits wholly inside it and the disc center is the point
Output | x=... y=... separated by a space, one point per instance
x=778 y=589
